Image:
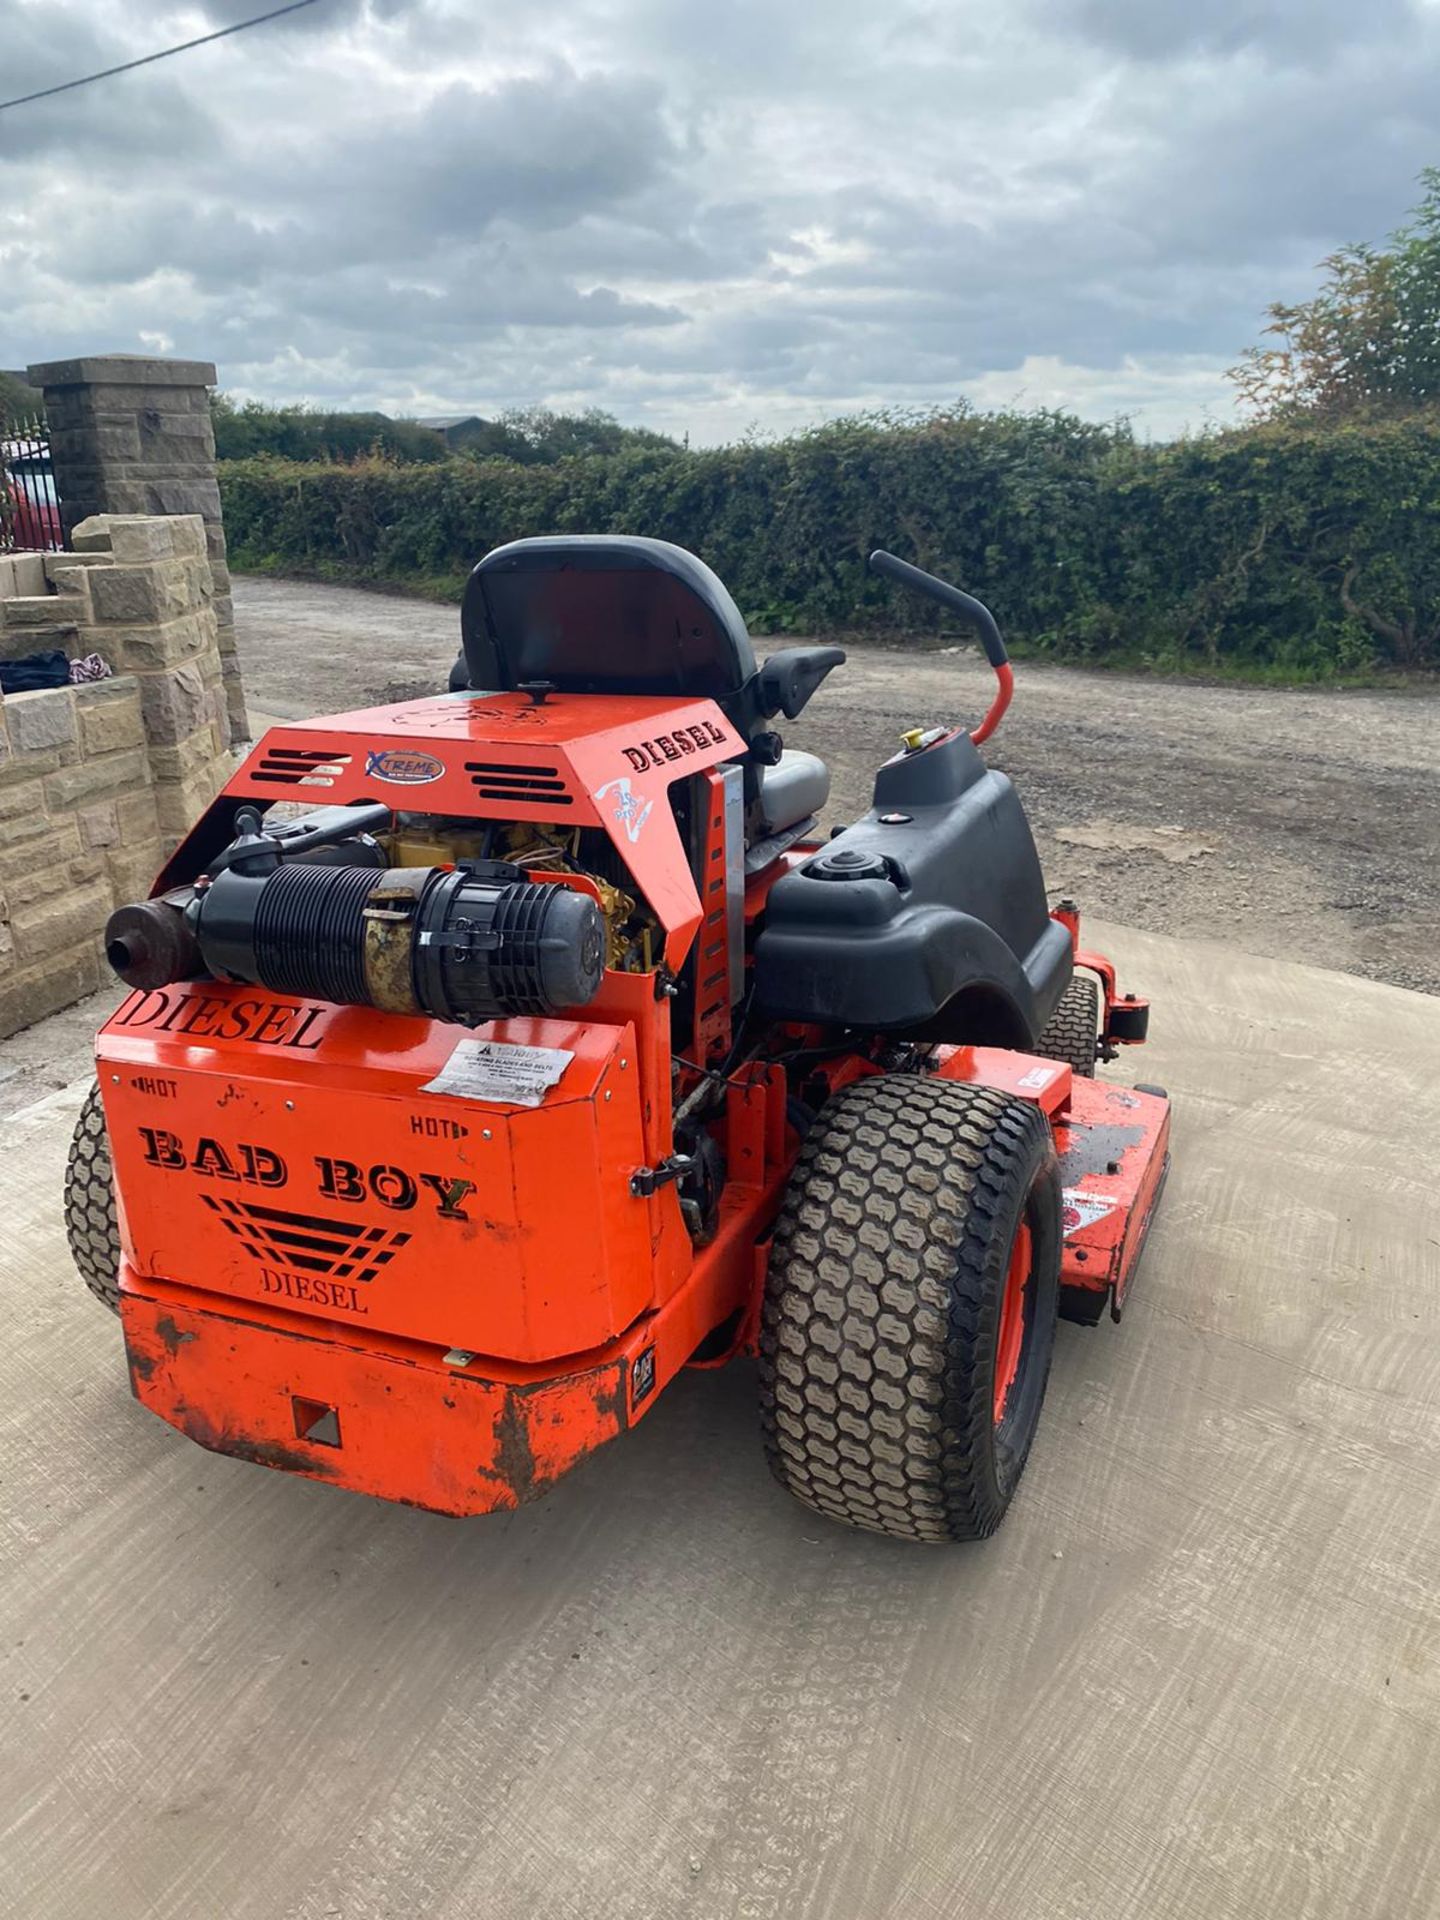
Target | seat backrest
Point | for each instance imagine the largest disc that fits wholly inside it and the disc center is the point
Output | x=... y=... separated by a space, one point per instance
x=603 y=613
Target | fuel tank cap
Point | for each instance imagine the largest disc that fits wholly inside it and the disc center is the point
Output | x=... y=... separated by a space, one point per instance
x=849 y=863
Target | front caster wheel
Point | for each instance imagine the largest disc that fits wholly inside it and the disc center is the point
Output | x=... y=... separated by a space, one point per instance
x=1073 y=1031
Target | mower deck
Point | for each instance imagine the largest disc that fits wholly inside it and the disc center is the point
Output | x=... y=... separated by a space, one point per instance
x=1114 y=1146
x=1114 y=1149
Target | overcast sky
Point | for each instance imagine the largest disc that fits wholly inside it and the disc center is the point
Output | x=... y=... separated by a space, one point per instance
x=704 y=217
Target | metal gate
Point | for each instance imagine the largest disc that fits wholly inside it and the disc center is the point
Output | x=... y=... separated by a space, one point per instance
x=29 y=504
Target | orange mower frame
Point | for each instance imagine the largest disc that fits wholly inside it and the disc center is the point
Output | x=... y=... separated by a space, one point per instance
x=387 y=1219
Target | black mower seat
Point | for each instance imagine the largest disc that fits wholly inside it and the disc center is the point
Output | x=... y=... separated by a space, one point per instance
x=603 y=613
x=609 y=613
x=792 y=791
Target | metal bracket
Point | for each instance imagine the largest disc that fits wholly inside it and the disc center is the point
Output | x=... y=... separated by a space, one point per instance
x=1127 y=1021
x=647 y=1180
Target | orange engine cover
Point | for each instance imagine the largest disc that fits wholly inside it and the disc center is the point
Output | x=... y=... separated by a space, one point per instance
x=273 y=1150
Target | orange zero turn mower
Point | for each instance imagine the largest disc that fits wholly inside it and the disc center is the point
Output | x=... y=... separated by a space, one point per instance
x=491 y=1058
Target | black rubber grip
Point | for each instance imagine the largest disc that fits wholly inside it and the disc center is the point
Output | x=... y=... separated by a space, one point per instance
x=971 y=610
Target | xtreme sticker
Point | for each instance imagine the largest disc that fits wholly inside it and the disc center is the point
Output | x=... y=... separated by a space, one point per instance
x=403 y=766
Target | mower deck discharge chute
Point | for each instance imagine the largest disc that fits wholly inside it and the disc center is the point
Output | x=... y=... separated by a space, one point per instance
x=493 y=1057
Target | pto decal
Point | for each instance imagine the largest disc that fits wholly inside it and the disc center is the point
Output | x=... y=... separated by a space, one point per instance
x=1081 y=1209
x=630 y=811
x=403 y=766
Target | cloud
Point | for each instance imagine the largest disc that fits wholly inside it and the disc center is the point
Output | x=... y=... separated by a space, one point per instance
x=703 y=218
x=153 y=112
x=1291 y=31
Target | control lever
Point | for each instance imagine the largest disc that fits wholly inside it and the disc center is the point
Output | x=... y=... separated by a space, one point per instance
x=973 y=612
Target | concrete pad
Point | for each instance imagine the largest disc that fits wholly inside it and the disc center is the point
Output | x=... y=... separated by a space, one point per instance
x=1196 y=1675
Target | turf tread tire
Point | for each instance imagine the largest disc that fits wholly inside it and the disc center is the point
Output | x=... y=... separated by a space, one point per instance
x=90 y=1223
x=1073 y=1032
x=882 y=1304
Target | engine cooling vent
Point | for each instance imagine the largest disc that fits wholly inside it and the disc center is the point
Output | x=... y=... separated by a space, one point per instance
x=506 y=780
x=300 y=766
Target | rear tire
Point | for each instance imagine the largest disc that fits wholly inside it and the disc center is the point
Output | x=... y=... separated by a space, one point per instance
x=1073 y=1033
x=916 y=1211
x=90 y=1223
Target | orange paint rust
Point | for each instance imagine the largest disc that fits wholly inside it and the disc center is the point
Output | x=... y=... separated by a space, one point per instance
x=406 y=1426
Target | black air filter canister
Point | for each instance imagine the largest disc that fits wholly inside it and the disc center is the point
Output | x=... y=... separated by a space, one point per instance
x=529 y=946
x=457 y=944
x=310 y=932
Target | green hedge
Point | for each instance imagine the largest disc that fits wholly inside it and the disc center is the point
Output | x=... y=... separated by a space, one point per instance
x=1299 y=552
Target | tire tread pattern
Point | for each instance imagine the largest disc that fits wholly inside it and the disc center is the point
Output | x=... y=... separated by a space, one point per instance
x=90 y=1223
x=884 y=1284
x=1073 y=1031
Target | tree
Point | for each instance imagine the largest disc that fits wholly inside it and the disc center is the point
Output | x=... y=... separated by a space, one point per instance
x=532 y=436
x=17 y=401
x=538 y=437
x=1368 y=343
x=307 y=433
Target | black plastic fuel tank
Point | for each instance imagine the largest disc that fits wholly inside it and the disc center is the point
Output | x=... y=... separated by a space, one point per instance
x=928 y=916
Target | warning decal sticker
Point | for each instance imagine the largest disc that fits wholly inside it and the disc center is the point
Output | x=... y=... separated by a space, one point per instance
x=506 y=1075
x=1080 y=1209
x=1037 y=1079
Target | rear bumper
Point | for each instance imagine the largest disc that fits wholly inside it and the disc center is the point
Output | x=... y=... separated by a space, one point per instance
x=387 y=1418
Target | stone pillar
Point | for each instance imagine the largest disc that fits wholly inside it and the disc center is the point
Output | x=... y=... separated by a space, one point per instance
x=131 y=435
x=98 y=781
x=137 y=592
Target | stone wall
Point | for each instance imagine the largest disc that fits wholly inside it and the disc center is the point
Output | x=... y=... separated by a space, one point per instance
x=98 y=781
x=132 y=435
